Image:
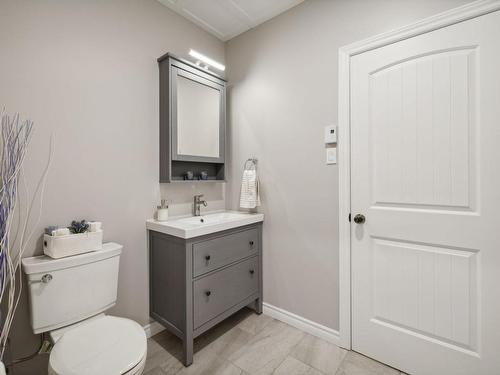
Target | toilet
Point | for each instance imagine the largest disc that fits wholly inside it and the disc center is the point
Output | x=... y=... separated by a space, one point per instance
x=68 y=298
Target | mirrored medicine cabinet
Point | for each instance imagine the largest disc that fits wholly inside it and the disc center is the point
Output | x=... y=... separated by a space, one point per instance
x=192 y=122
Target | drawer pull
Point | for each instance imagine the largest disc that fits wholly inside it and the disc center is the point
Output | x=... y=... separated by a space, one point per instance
x=207 y=257
x=251 y=243
x=252 y=272
x=207 y=293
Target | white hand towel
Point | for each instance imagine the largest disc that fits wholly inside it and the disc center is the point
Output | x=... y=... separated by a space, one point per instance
x=249 y=196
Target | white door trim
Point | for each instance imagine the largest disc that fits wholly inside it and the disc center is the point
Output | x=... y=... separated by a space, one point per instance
x=460 y=14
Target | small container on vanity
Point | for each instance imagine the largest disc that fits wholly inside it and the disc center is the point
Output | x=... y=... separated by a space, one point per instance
x=162 y=211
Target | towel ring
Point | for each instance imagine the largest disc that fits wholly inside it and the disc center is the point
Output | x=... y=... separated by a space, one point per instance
x=250 y=164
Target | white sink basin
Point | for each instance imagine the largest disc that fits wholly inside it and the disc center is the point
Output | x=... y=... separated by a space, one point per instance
x=194 y=226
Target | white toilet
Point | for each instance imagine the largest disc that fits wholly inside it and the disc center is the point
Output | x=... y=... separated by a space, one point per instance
x=68 y=297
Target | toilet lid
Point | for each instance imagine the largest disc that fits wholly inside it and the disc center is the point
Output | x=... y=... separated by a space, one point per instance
x=104 y=346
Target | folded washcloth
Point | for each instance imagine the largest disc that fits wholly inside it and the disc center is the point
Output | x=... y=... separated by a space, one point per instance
x=249 y=196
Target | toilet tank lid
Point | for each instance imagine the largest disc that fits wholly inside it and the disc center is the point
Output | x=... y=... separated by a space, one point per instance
x=44 y=263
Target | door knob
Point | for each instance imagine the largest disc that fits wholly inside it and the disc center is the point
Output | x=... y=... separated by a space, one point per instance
x=359 y=219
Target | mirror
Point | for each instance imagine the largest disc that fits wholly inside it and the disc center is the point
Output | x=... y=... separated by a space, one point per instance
x=198 y=118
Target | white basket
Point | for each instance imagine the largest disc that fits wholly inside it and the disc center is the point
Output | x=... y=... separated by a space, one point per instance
x=72 y=244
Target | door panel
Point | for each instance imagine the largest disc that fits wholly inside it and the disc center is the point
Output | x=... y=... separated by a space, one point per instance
x=426 y=290
x=425 y=114
x=431 y=141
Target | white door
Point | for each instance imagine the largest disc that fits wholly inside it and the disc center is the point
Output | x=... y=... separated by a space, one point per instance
x=425 y=154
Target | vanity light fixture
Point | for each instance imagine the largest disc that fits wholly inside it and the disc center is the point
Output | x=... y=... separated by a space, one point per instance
x=207 y=60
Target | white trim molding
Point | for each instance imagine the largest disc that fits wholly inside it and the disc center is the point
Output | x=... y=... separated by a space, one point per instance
x=453 y=16
x=306 y=325
x=438 y=21
x=344 y=166
x=153 y=328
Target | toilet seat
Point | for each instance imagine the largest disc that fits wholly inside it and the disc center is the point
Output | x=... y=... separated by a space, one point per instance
x=106 y=345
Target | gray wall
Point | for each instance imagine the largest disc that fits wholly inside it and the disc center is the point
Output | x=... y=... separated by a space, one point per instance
x=87 y=71
x=283 y=91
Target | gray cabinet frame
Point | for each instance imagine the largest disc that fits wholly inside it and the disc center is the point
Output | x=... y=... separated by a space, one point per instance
x=171 y=283
x=171 y=67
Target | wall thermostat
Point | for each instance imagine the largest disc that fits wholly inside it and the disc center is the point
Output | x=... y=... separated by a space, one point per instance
x=331 y=134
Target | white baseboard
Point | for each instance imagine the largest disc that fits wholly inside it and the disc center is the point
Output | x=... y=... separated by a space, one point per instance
x=153 y=328
x=306 y=325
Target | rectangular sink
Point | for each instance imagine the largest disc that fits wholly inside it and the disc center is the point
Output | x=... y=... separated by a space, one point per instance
x=194 y=226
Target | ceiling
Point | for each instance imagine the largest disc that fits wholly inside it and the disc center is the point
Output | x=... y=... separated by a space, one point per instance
x=227 y=18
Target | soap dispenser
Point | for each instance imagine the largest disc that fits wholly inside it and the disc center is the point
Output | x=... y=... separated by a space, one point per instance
x=162 y=211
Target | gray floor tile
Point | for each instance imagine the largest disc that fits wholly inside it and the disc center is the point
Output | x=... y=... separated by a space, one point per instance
x=250 y=344
x=224 y=344
x=154 y=371
x=158 y=360
x=254 y=323
x=292 y=366
x=165 y=354
x=268 y=348
x=207 y=362
x=267 y=369
x=319 y=354
x=171 y=365
x=357 y=364
x=153 y=348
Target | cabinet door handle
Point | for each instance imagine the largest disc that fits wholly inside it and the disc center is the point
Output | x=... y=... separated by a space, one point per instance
x=252 y=272
x=251 y=243
x=207 y=293
x=207 y=257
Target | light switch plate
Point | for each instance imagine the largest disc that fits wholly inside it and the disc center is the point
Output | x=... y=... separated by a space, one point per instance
x=331 y=155
x=331 y=134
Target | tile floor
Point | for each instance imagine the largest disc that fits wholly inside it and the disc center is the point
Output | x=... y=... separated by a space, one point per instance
x=250 y=344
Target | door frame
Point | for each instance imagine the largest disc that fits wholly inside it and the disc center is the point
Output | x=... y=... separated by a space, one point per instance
x=453 y=16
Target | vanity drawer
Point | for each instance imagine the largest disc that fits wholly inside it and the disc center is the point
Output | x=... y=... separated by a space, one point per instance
x=212 y=254
x=214 y=294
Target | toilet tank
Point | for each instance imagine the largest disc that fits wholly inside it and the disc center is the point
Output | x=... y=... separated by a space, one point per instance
x=66 y=290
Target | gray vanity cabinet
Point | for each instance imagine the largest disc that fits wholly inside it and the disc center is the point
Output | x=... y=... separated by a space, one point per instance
x=198 y=282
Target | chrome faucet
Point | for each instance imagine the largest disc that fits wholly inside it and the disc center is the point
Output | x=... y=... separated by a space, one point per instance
x=197 y=204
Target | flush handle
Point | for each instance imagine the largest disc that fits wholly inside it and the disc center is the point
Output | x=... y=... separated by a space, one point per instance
x=251 y=243
x=47 y=278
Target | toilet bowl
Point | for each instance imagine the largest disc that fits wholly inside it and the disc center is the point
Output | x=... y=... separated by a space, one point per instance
x=104 y=345
x=68 y=297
